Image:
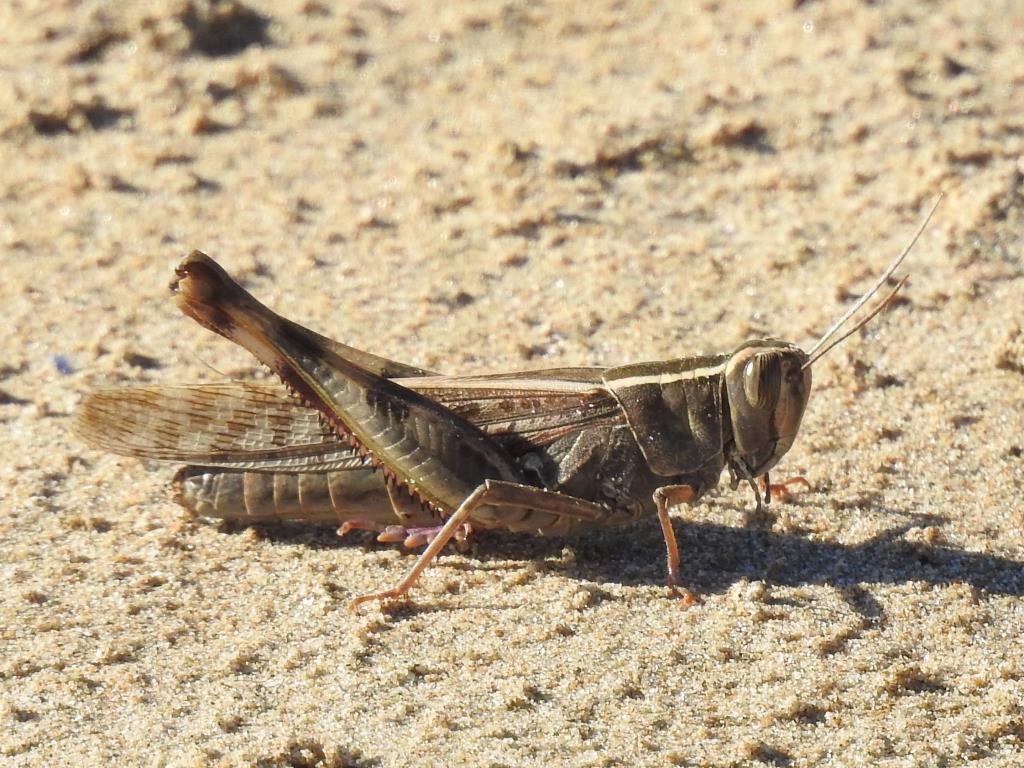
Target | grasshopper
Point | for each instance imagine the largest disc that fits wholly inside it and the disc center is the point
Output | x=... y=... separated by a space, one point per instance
x=370 y=443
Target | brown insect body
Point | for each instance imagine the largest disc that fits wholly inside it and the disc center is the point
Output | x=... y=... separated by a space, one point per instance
x=373 y=443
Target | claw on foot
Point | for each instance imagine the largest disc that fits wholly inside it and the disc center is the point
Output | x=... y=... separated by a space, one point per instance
x=783 y=490
x=686 y=597
x=380 y=597
x=359 y=525
x=392 y=534
x=416 y=539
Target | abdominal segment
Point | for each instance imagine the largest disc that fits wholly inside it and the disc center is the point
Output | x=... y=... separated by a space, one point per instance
x=313 y=497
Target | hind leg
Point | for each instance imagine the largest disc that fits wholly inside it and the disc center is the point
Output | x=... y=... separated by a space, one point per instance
x=494 y=494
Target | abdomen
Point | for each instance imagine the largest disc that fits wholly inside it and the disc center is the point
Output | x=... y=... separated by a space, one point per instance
x=315 y=497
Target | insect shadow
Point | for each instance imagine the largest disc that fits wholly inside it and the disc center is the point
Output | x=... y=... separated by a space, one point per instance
x=716 y=556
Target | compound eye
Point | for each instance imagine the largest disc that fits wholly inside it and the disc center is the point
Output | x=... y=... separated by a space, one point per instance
x=762 y=380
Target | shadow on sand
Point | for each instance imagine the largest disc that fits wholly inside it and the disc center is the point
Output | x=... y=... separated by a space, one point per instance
x=718 y=556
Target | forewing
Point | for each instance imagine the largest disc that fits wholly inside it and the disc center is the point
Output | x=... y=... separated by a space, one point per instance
x=237 y=426
x=527 y=409
x=261 y=427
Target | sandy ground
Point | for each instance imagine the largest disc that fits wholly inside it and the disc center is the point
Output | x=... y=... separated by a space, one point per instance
x=498 y=185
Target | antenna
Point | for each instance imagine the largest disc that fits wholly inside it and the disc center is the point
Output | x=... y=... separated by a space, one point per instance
x=882 y=305
x=867 y=296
